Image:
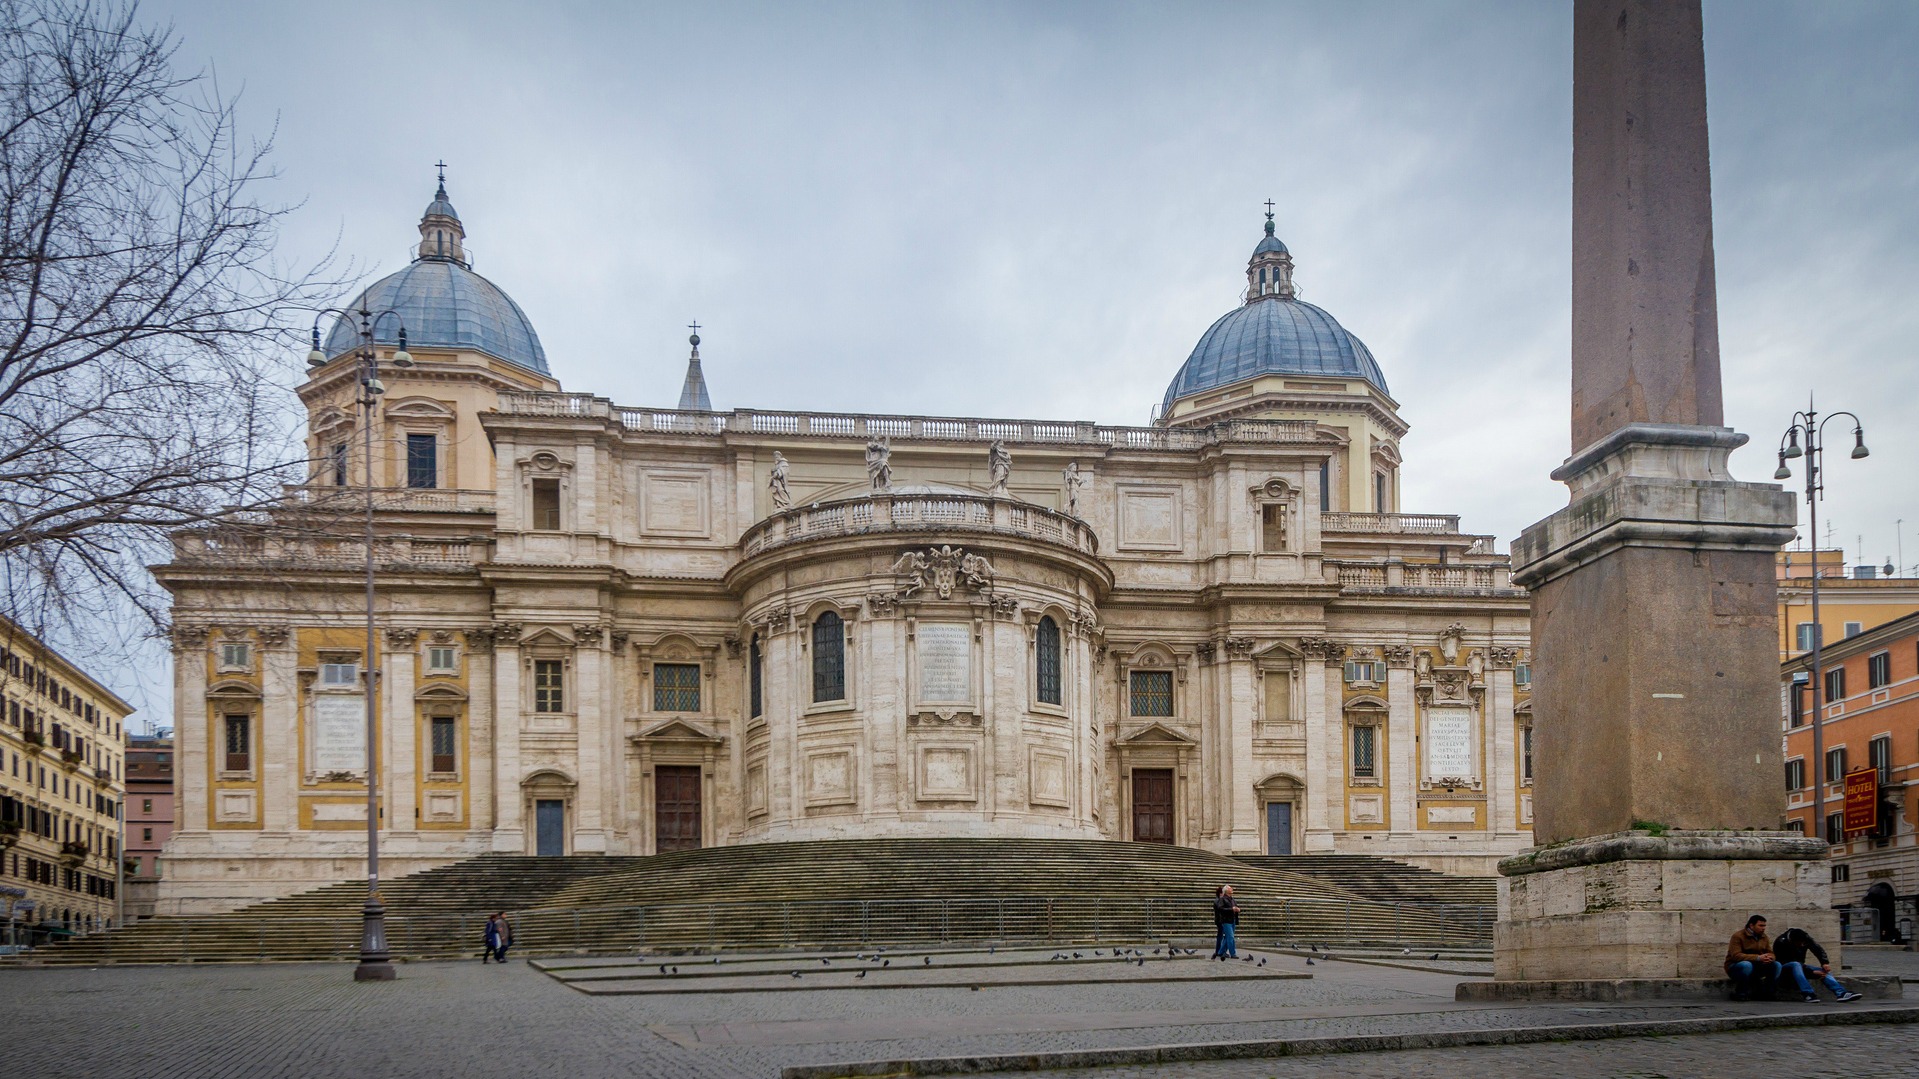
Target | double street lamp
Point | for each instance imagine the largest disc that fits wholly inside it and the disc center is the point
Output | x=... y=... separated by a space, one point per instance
x=376 y=965
x=1810 y=427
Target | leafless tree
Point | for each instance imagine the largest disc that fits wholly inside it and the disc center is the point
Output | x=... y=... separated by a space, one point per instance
x=140 y=388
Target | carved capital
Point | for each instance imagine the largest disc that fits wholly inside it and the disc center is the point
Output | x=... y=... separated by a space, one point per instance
x=401 y=637
x=618 y=637
x=186 y=637
x=732 y=644
x=1240 y=647
x=1205 y=651
x=1397 y=656
x=588 y=634
x=1322 y=648
x=480 y=639
x=507 y=632
x=1004 y=606
x=1504 y=658
x=274 y=636
x=882 y=603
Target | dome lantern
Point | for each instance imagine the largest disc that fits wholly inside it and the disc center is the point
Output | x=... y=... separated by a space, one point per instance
x=1269 y=273
x=442 y=236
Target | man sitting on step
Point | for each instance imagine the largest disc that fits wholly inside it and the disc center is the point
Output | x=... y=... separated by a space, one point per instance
x=1750 y=961
x=1791 y=949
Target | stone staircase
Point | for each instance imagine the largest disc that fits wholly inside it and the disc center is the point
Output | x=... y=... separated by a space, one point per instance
x=848 y=893
x=1384 y=879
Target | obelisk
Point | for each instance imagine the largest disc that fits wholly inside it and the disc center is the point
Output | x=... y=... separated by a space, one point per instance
x=1658 y=790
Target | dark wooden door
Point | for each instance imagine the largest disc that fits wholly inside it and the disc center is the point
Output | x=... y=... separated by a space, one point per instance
x=1153 y=805
x=676 y=807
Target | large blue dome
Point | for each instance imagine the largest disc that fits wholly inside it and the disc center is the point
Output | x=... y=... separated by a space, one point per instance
x=1273 y=336
x=445 y=305
x=442 y=303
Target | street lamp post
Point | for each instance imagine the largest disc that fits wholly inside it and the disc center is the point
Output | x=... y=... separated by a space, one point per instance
x=375 y=964
x=1809 y=425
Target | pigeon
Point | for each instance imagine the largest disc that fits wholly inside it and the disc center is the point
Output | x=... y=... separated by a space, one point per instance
x=662 y=968
x=1405 y=951
x=1309 y=962
x=1245 y=958
x=1155 y=951
x=716 y=960
x=886 y=962
x=796 y=974
x=1435 y=955
x=1097 y=952
x=989 y=951
x=929 y=961
x=1262 y=962
x=861 y=974
x=826 y=962
x=1076 y=955
x=673 y=970
x=1142 y=962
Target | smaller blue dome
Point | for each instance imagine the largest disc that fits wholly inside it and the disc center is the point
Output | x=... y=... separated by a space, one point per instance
x=1270 y=244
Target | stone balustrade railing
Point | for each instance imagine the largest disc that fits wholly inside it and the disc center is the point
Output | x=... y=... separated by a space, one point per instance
x=242 y=549
x=931 y=428
x=883 y=512
x=1397 y=524
x=404 y=499
x=1427 y=577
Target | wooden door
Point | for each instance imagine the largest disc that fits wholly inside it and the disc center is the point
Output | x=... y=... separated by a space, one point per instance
x=676 y=807
x=1153 y=805
x=1279 y=827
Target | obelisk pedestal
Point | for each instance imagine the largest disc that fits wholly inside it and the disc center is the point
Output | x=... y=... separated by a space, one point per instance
x=1659 y=788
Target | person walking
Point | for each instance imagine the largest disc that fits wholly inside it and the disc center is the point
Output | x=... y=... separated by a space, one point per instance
x=1225 y=918
x=1790 y=949
x=503 y=929
x=492 y=939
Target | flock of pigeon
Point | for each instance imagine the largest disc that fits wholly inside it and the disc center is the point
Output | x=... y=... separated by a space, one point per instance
x=878 y=960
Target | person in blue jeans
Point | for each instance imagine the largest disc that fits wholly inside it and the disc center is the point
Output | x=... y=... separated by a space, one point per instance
x=1750 y=961
x=1225 y=918
x=1790 y=949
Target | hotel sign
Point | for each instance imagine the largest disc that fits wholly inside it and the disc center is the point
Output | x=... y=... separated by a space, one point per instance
x=1862 y=800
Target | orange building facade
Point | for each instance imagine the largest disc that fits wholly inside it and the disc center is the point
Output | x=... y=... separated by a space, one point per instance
x=1871 y=703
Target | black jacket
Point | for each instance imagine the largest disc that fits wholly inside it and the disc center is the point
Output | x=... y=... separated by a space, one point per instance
x=1225 y=911
x=1792 y=946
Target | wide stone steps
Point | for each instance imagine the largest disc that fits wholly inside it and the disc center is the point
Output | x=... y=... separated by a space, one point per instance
x=837 y=894
x=1384 y=879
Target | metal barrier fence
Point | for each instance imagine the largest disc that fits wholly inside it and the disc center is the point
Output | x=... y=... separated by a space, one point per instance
x=822 y=924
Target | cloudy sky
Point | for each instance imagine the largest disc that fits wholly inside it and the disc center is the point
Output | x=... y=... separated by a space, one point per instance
x=1035 y=209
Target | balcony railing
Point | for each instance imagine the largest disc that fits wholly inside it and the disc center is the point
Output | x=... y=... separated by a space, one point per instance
x=1425 y=577
x=399 y=499
x=1392 y=524
x=884 y=512
x=930 y=428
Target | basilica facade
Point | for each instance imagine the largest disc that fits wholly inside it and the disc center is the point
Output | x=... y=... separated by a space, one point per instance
x=625 y=630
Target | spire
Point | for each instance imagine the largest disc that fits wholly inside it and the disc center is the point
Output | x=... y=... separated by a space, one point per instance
x=693 y=396
x=1269 y=273
x=442 y=236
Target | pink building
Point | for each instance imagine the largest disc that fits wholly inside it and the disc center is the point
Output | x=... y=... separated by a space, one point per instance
x=149 y=817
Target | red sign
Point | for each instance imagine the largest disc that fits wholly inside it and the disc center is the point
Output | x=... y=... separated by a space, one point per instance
x=1862 y=800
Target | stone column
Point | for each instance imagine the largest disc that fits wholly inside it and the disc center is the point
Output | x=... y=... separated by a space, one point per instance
x=509 y=705
x=1657 y=753
x=279 y=748
x=399 y=732
x=1325 y=792
x=1240 y=716
x=1402 y=751
x=590 y=714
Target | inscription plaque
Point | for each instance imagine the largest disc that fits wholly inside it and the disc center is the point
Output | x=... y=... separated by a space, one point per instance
x=339 y=733
x=1449 y=744
x=946 y=663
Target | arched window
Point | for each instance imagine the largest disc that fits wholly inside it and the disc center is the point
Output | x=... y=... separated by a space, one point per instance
x=1048 y=661
x=755 y=677
x=829 y=658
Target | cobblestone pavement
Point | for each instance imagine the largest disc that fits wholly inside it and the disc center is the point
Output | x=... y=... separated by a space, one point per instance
x=468 y=1021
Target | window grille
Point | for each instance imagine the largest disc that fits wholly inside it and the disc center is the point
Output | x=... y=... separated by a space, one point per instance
x=445 y=732
x=1365 y=741
x=1152 y=693
x=756 y=677
x=422 y=461
x=1526 y=753
x=549 y=694
x=239 y=743
x=1048 y=647
x=829 y=658
x=676 y=687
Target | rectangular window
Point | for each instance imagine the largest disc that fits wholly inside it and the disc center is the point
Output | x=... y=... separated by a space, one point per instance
x=239 y=743
x=1797 y=824
x=1879 y=756
x=546 y=505
x=1522 y=676
x=445 y=737
x=1878 y=669
x=676 y=687
x=1835 y=830
x=1841 y=874
x=1152 y=693
x=1366 y=670
x=1272 y=527
x=1854 y=629
x=1805 y=633
x=548 y=693
x=1526 y=753
x=1835 y=685
x=1380 y=503
x=1365 y=739
x=336 y=675
x=422 y=461
x=442 y=659
x=236 y=655
x=1325 y=486
x=1836 y=765
x=1796 y=698
x=756 y=678
x=146 y=805
x=1795 y=775
x=146 y=835
x=337 y=454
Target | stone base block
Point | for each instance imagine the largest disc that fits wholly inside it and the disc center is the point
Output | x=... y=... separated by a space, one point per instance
x=1628 y=990
x=1636 y=906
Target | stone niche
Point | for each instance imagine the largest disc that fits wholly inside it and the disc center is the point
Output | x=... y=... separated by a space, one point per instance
x=1644 y=906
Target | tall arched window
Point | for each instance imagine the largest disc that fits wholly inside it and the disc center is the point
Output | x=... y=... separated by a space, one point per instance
x=1048 y=661
x=829 y=658
x=755 y=677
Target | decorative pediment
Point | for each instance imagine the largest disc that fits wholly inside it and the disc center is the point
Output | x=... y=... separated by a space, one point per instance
x=1273 y=490
x=1279 y=653
x=545 y=635
x=439 y=691
x=1280 y=783
x=230 y=688
x=679 y=732
x=1156 y=734
x=418 y=408
x=1365 y=702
